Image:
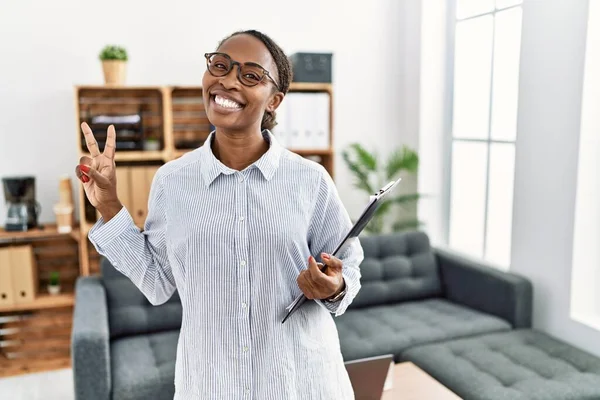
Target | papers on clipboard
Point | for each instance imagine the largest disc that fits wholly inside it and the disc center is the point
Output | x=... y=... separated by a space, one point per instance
x=359 y=225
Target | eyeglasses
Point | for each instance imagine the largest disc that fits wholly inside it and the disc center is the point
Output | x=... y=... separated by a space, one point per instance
x=249 y=74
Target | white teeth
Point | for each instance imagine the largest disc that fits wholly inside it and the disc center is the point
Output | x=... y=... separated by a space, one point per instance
x=223 y=102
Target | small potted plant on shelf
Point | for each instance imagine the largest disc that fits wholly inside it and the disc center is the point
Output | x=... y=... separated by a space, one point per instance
x=114 y=60
x=54 y=283
x=151 y=144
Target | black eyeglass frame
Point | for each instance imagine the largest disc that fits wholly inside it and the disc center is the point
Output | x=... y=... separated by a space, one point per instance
x=239 y=70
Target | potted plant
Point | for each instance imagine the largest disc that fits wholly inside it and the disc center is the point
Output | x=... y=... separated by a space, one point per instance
x=371 y=173
x=54 y=283
x=151 y=144
x=114 y=60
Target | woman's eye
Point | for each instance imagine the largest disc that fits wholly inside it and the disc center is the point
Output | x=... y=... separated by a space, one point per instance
x=253 y=77
x=220 y=65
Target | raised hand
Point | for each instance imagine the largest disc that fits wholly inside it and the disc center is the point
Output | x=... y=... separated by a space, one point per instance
x=98 y=173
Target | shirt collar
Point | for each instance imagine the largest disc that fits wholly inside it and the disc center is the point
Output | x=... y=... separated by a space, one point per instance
x=267 y=164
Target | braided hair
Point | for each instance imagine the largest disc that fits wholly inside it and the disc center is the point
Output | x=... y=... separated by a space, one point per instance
x=284 y=70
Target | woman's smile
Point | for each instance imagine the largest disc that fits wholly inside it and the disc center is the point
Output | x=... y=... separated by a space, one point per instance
x=224 y=102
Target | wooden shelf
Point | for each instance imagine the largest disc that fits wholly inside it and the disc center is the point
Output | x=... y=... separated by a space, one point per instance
x=116 y=87
x=47 y=231
x=310 y=87
x=43 y=301
x=27 y=366
x=136 y=155
x=178 y=116
x=313 y=152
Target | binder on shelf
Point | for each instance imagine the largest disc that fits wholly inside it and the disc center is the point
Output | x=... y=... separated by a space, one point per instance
x=6 y=288
x=24 y=273
x=281 y=130
x=321 y=127
x=308 y=121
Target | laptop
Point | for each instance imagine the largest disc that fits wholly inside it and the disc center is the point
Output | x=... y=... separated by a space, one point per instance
x=368 y=376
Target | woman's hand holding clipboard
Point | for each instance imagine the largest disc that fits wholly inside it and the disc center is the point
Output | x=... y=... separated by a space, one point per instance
x=365 y=217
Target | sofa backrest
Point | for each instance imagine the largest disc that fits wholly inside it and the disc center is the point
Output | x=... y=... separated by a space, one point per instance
x=397 y=267
x=129 y=312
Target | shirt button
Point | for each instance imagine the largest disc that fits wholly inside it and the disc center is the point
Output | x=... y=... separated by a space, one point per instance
x=243 y=263
x=243 y=305
x=247 y=391
x=242 y=218
x=245 y=349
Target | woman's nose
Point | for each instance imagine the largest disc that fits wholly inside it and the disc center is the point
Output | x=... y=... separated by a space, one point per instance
x=230 y=80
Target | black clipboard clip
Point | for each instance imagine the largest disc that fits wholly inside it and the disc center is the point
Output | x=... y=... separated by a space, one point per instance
x=359 y=225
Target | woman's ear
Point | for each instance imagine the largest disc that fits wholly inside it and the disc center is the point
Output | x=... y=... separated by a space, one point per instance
x=275 y=101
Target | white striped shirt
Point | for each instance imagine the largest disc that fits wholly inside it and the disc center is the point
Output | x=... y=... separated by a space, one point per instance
x=233 y=243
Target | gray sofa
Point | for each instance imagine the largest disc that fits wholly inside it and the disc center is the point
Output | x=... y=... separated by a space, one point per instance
x=413 y=300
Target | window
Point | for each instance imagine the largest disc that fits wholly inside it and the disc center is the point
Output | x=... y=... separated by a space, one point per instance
x=485 y=82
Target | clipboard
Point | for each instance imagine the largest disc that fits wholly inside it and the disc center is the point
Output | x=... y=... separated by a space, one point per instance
x=359 y=225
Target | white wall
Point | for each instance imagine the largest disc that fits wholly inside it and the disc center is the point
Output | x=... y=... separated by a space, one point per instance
x=48 y=47
x=552 y=65
x=433 y=140
x=585 y=297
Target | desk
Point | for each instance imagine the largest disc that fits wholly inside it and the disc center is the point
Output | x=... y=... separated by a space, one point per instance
x=412 y=383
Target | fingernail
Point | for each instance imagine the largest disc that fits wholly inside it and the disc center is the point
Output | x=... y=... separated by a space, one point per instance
x=325 y=256
x=85 y=179
x=84 y=168
x=311 y=259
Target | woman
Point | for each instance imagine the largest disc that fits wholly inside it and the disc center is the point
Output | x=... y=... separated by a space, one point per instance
x=233 y=226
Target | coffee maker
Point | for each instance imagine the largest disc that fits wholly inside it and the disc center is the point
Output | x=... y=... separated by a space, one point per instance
x=22 y=208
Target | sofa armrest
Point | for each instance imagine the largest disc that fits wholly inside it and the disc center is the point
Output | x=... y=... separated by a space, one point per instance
x=90 y=339
x=484 y=288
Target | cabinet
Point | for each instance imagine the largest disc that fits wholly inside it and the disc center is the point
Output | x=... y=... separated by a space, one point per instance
x=170 y=121
x=29 y=315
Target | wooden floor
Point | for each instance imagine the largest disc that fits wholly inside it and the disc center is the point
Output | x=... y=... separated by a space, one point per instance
x=53 y=385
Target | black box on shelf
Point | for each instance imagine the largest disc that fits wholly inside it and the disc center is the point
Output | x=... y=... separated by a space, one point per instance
x=128 y=128
x=311 y=67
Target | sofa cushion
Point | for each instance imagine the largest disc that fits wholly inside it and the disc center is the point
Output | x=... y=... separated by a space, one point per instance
x=130 y=313
x=397 y=267
x=517 y=365
x=143 y=367
x=394 y=328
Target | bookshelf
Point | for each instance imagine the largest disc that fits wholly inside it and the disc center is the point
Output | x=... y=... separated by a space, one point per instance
x=173 y=119
x=35 y=333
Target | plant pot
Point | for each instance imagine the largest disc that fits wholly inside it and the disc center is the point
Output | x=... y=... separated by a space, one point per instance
x=114 y=72
x=54 y=289
x=151 y=145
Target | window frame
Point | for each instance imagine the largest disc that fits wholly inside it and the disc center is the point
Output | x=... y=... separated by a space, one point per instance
x=449 y=138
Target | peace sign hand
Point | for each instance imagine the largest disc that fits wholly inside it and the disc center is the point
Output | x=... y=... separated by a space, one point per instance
x=98 y=173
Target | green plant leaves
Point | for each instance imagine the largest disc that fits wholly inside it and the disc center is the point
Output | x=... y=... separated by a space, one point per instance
x=406 y=225
x=407 y=198
x=361 y=176
x=366 y=159
x=54 y=278
x=113 y=52
x=364 y=166
x=404 y=159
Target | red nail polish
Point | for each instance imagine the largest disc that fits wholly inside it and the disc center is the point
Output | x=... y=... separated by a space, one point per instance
x=85 y=179
x=325 y=256
x=84 y=168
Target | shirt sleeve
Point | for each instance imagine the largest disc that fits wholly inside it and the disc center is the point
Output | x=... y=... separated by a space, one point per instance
x=329 y=224
x=141 y=256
